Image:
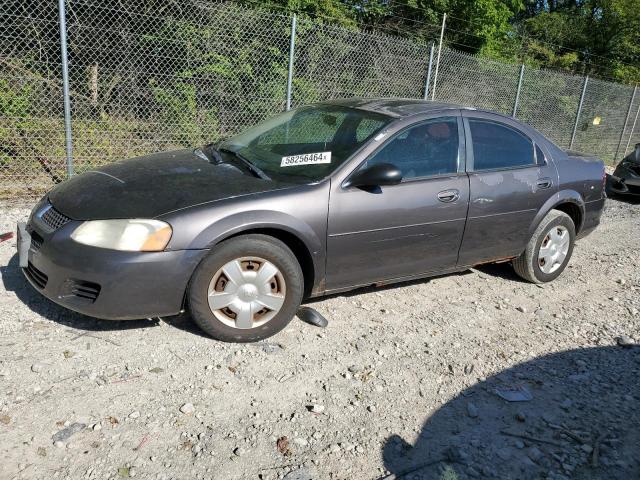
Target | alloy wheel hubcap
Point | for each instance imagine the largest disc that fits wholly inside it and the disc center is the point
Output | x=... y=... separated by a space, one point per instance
x=554 y=249
x=246 y=292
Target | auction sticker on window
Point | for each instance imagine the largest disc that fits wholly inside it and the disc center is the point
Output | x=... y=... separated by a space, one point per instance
x=306 y=159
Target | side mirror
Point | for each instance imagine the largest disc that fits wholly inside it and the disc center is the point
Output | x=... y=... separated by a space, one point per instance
x=375 y=176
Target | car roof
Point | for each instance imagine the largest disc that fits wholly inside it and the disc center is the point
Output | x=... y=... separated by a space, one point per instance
x=395 y=107
x=407 y=107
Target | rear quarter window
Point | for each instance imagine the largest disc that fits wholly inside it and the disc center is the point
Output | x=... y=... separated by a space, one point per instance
x=497 y=146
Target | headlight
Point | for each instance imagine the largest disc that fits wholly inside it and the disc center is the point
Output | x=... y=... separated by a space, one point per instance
x=127 y=235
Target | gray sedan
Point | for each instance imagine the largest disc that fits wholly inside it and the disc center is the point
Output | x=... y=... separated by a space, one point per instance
x=321 y=199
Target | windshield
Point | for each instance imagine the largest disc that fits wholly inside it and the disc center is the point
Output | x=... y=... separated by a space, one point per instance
x=308 y=143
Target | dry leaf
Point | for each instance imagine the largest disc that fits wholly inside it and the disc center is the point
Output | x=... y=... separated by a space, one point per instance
x=283 y=446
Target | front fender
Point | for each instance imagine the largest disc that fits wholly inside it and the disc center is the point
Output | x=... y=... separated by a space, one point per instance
x=562 y=196
x=257 y=219
x=299 y=212
x=263 y=219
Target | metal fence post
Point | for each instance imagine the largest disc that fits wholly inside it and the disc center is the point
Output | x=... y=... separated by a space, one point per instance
x=633 y=127
x=575 y=125
x=626 y=121
x=428 y=81
x=292 y=47
x=65 y=87
x=517 y=99
x=435 y=77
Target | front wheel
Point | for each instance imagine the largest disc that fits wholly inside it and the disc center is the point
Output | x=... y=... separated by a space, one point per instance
x=549 y=249
x=247 y=289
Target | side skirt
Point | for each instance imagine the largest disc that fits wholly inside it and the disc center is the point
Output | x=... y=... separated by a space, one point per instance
x=391 y=281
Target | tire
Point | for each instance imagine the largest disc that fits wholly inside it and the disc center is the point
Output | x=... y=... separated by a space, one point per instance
x=237 y=257
x=529 y=265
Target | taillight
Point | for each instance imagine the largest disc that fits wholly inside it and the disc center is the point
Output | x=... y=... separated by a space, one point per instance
x=604 y=180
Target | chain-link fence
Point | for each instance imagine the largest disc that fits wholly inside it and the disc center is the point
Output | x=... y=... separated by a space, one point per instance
x=148 y=76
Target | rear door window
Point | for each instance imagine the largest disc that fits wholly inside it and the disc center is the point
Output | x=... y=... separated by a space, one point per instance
x=497 y=146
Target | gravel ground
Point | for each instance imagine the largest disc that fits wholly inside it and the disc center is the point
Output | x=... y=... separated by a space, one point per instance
x=405 y=382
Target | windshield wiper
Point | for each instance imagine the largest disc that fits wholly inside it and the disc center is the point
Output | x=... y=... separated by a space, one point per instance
x=211 y=150
x=247 y=164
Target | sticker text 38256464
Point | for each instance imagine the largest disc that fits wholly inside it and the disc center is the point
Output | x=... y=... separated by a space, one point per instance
x=306 y=159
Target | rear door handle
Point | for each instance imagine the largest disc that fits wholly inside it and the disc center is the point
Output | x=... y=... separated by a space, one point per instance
x=449 y=196
x=544 y=183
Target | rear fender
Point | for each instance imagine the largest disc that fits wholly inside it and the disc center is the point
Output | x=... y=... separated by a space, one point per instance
x=563 y=196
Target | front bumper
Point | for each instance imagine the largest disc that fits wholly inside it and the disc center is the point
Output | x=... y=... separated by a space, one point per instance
x=104 y=283
x=624 y=181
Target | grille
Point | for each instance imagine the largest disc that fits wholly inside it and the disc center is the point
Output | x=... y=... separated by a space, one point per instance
x=87 y=292
x=53 y=218
x=36 y=276
x=36 y=241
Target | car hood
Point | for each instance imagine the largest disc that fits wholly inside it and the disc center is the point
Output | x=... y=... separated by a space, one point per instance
x=149 y=186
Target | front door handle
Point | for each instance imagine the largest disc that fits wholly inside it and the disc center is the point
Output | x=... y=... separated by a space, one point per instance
x=449 y=196
x=544 y=183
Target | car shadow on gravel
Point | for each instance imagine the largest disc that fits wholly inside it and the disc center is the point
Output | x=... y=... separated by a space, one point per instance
x=582 y=421
x=629 y=199
x=14 y=281
x=502 y=270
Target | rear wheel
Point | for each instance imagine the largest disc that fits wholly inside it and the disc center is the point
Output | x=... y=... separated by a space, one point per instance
x=549 y=249
x=247 y=289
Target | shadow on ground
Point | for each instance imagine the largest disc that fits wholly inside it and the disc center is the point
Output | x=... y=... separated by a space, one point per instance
x=14 y=281
x=630 y=199
x=582 y=423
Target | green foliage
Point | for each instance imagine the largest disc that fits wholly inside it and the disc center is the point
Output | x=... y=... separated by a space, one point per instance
x=332 y=11
x=15 y=102
x=15 y=107
x=178 y=108
x=449 y=474
x=598 y=37
x=154 y=75
x=540 y=55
